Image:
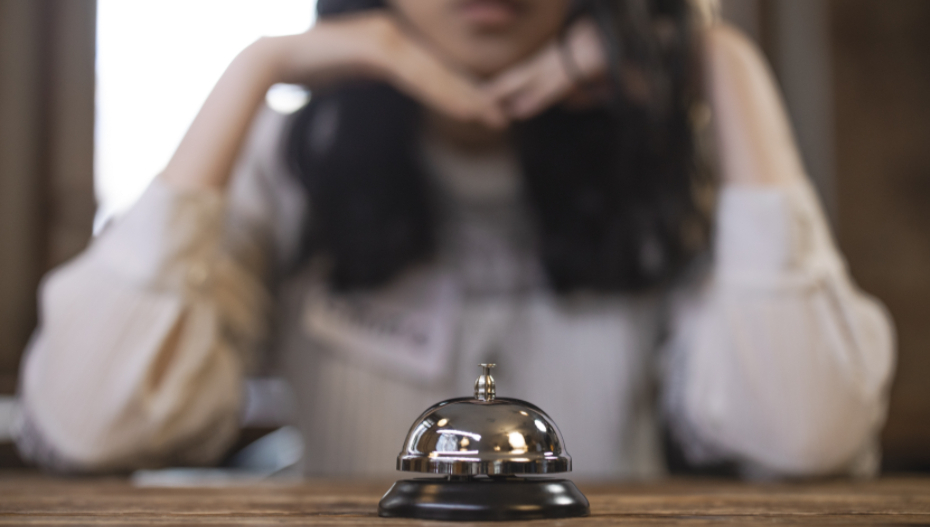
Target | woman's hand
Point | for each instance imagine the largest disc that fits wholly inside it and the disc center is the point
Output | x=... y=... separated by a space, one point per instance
x=375 y=45
x=553 y=74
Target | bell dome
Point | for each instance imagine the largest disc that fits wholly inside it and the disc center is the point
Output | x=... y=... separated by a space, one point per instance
x=484 y=435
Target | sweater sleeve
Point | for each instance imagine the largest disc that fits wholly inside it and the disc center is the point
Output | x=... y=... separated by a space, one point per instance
x=777 y=361
x=143 y=338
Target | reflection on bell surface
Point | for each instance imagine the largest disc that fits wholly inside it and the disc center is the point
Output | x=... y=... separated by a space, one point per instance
x=483 y=445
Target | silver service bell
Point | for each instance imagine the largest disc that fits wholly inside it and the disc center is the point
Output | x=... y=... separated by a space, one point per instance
x=484 y=435
x=483 y=444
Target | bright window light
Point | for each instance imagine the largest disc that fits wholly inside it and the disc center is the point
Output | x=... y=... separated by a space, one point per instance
x=156 y=63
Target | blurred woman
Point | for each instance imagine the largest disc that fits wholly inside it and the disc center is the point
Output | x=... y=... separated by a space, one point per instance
x=604 y=197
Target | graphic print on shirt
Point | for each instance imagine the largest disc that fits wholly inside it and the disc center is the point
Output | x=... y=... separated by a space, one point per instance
x=406 y=329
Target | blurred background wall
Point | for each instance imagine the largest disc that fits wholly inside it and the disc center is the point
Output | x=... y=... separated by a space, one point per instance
x=46 y=154
x=881 y=83
x=856 y=79
x=46 y=162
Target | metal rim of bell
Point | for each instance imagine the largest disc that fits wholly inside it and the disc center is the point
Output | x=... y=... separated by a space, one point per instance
x=483 y=468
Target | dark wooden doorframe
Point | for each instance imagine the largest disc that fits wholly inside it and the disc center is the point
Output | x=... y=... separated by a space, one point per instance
x=47 y=51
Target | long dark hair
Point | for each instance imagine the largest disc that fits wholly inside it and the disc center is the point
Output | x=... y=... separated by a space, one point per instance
x=612 y=187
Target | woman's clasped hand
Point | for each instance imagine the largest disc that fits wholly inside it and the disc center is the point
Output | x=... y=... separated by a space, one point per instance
x=380 y=46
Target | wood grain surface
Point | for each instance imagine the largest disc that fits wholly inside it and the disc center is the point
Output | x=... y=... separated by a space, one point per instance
x=39 y=500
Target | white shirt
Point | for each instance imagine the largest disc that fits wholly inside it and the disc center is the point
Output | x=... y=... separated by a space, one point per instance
x=770 y=357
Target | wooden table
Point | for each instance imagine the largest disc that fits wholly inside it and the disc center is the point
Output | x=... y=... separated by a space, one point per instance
x=38 y=500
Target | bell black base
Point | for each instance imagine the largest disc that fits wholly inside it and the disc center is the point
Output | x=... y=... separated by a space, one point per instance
x=483 y=499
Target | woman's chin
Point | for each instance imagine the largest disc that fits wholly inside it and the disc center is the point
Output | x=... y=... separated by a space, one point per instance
x=488 y=64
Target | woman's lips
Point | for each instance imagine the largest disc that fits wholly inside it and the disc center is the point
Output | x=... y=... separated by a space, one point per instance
x=490 y=14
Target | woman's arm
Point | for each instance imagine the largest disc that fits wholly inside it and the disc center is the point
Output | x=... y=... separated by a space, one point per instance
x=140 y=351
x=778 y=361
x=142 y=339
x=754 y=136
x=370 y=45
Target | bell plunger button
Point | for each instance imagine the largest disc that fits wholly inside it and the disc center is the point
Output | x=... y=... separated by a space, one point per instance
x=484 y=385
x=481 y=446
